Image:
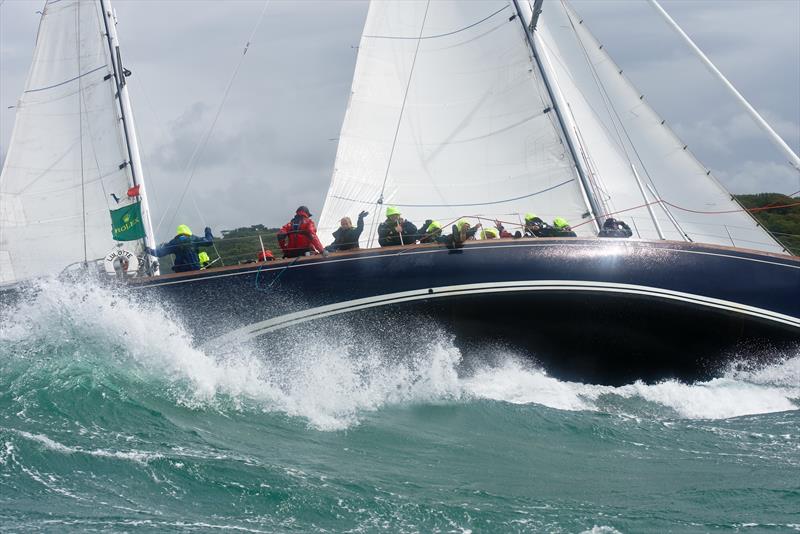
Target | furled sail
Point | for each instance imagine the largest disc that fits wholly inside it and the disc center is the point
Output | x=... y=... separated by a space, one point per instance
x=617 y=129
x=68 y=162
x=449 y=117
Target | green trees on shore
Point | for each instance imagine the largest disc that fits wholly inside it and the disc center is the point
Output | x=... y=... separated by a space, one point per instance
x=242 y=245
x=784 y=223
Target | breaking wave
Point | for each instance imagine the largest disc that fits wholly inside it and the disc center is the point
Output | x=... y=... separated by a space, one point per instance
x=63 y=334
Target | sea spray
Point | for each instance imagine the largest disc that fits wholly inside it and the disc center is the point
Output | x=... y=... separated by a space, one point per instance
x=112 y=418
x=331 y=380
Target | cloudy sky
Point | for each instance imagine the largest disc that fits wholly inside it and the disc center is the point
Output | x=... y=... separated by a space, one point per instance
x=275 y=142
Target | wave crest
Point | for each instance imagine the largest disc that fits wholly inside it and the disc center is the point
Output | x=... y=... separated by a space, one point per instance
x=68 y=329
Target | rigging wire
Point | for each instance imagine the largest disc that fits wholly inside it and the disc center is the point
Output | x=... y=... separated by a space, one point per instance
x=468 y=204
x=607 y=98
x=160 y=124
x=400 y=117
x=440 y=34
x=639 y=157
x=152 y=195
x=80 y=131
x=192 y=166
x=203 y=220
x=702 y=212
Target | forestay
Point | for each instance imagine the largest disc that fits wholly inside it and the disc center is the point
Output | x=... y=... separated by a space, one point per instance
x=449 y=117
x=67 y=160
x=618 y=128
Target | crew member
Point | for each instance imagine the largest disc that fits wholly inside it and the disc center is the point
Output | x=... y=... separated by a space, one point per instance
x=503 y=233
x=298 y=237
x=615 y=228
x=203 y=258
x=535 y=227
x=395 y=230
x=560 y=228
x=346 y=237
x=431 y=232
x=462 y=231
x=490 y=233
x=265 y=255
x=185 y=247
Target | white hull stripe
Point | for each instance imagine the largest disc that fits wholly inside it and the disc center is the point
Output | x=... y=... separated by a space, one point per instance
x=292 y=319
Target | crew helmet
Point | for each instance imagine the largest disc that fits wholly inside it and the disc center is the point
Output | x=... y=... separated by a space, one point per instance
x=560 y=223
x=433 y=226
x=530 y=216
x=490 y=233
x=391 y=210
x=183 y=230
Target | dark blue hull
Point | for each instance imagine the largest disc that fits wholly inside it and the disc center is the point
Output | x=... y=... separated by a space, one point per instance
x=604 y=311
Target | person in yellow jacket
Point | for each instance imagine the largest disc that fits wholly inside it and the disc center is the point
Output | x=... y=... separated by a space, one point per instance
x=204 y=259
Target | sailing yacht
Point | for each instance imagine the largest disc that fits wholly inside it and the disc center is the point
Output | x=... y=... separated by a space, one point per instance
x=72 y=189
x=486 y=110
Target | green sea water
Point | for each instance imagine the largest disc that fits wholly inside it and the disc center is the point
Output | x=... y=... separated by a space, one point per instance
x=112 y=421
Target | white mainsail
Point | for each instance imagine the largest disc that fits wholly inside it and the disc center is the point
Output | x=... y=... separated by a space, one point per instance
x=619 y=128
x=68 y=162
x=447 y=118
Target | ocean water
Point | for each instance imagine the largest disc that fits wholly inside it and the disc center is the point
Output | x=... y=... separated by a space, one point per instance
x=111 y=420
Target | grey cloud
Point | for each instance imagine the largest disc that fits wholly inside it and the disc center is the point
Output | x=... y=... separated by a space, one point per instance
x=271 y=150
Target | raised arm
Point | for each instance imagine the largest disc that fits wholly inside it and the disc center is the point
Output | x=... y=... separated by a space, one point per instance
x=206 y=241
x=161 y=250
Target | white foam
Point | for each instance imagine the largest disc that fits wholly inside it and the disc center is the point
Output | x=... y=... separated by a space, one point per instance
x=514 y=383
x=331 y=382
x=50 y=444
x=720 y=398
x=602 y=529
x=775 y=388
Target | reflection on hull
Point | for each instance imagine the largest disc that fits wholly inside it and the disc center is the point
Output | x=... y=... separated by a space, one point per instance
x=602 y=311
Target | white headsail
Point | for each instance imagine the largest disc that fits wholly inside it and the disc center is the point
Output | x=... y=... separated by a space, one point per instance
x=619 y=129
x=69 y=162
x=449 y=117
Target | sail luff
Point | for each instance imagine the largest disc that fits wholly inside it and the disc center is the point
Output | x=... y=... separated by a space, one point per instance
x=67 y=165
x=478 y=136
x=557 y=101
x=137 y=171
x=604 y=102
x=570 y=132
x=771 y=242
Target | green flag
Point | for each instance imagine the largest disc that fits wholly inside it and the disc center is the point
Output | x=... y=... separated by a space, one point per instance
x=126 y=223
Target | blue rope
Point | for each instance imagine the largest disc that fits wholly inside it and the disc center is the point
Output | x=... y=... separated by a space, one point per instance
x=271 y=284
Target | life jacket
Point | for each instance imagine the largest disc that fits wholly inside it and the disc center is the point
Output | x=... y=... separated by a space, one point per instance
x=186 y=257
x=203 y=259
x=298 y=236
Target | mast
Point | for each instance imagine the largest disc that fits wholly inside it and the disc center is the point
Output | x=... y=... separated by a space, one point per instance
x=128 y=128
x=557 y=107
x=776 y=139
x=537 y=10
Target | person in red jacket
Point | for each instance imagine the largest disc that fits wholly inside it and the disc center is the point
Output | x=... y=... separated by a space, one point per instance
x=503 y=233
x=298 y=237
